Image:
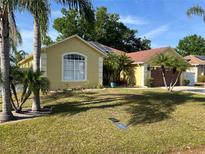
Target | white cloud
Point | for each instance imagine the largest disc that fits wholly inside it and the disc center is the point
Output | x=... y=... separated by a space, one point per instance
x=132 y=20
x=155 y=32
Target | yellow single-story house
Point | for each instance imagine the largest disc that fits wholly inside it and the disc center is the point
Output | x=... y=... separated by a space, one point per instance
x=72 y=62
x=144 y=70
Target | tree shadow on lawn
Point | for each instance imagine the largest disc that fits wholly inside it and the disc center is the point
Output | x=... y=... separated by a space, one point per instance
x=155 y=107
x=148 y=107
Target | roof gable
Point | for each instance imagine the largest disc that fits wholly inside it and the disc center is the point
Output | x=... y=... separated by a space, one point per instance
x=30 y=57
x=79 y=38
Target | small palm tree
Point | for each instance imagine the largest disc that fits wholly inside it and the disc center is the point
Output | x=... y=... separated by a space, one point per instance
x=176 y=64
x=196 y=10
x=40 y=10
x=30 y=80
x=162 y=60
x=16 y=56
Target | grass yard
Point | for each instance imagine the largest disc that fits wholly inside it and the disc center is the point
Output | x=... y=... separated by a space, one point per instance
x=158 y=122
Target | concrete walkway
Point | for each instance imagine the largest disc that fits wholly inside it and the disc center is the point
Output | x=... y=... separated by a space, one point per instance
x=27 y=114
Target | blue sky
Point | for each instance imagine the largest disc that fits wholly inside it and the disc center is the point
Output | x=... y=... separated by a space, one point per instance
x=164 y=22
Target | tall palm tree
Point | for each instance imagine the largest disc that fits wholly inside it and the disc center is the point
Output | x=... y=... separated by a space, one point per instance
x=196 y=10
x=8 y=30
x=40 y=10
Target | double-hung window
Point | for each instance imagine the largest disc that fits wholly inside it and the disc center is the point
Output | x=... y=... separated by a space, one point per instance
x=74 y=67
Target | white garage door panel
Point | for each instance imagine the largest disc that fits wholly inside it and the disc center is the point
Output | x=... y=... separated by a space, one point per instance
x=191 y=77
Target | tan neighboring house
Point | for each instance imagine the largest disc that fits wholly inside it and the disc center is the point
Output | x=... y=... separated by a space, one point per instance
x=72 y=62
x=144 y=70
x=198 y=68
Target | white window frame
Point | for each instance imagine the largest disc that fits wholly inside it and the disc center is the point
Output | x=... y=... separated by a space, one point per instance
x=62 y=59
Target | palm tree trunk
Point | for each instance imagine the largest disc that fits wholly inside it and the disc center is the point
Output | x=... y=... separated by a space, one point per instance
x=36 y=61
x=163 y=76
x=5 y=69
x=179 y=74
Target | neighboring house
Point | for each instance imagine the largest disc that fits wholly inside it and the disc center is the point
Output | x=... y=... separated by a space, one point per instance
x=198 y=68
x=143 y=69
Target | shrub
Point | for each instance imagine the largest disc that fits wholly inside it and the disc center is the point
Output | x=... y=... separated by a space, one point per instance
x=185 y=82
x=149 y=82
x=113 y=67
x=201 y=78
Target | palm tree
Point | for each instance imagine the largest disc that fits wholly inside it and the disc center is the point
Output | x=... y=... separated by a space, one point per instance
x=30 y=81
x=196 y=10
x=178 y=66
x=162 y=60
x=16 y=56
x=40 y=10
x=8 y=30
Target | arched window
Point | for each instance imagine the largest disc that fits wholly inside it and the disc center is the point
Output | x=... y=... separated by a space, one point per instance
x=74 y=67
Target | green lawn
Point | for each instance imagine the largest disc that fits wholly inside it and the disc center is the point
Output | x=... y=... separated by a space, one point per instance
x=159 y=122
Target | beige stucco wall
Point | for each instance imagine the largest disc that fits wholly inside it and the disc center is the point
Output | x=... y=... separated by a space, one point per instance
x=54 y=64
x=138 y=71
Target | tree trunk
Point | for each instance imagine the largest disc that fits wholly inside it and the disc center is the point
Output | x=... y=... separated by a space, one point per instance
x=163 y=76
x=179 y=74
x=5 y=69
x=36 y=61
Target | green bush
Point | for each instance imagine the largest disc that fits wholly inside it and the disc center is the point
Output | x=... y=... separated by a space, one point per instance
x=201 y=78
x=149 y=82
x=185 y=82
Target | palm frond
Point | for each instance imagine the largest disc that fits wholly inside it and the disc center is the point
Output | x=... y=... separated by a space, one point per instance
x=83 y=6
x=15 y=35
x=196 y=10
x=40 y=9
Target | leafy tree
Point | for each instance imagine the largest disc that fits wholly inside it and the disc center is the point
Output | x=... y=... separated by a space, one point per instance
x=106 y=29
x=77 y=25
x=114 y=65
x=46 y=40
x=191 y=45
x=167 y=62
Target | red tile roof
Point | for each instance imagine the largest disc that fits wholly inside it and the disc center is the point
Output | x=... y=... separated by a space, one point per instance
x=146 y=55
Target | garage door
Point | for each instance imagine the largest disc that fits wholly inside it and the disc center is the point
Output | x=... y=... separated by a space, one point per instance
x=156 y=74
x=191 y=77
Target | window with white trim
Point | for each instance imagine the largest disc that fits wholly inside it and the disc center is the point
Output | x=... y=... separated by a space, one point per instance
x=74 y=67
